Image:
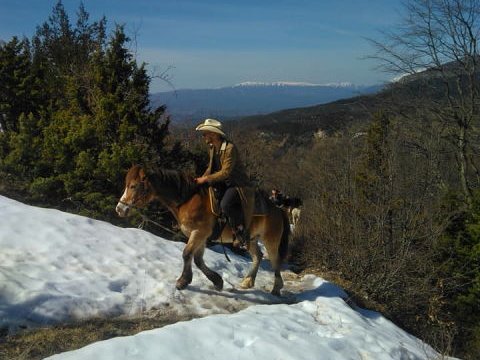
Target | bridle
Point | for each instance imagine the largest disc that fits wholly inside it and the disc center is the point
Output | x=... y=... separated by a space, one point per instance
x=141 y=192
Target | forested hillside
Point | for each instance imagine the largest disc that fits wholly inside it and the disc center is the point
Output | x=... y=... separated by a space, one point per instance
x=384 y=210
x=390 y=183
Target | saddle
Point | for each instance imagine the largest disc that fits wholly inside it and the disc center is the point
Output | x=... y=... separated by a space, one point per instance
x=253 y=204
x=248 y=196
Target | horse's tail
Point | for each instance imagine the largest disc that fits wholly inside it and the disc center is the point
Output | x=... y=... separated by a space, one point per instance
x=283 y=248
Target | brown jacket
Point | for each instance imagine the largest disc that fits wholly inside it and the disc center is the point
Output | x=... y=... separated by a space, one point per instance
x=232 y=170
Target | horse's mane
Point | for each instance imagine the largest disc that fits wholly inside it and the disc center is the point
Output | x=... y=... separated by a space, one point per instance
x=180 y=182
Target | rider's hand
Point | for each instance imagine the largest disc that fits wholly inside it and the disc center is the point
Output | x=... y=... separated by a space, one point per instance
x=201 y=180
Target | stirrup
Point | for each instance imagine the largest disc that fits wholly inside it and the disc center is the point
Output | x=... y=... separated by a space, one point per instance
x=243 y=236
x=222 y=219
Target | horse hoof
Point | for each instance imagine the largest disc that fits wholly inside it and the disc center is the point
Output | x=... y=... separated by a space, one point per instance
x=275 y=292
x=181 y=284
x=247 y=283
x=219 y=285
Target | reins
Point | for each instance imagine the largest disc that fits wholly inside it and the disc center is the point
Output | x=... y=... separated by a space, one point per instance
x=146 y=219
x=224 y=251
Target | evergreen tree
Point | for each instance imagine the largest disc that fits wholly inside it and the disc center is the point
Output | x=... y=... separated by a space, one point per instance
x=90 y=123
x=17 y=81
x=459 y=259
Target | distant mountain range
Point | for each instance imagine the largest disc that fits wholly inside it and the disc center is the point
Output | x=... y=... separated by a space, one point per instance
x=252 y=98
x=405 y=96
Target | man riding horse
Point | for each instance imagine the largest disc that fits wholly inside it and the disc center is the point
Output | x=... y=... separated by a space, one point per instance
x=226 y=174
x=192 y=208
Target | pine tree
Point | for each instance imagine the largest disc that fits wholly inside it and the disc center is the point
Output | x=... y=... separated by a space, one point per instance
x=17 y=81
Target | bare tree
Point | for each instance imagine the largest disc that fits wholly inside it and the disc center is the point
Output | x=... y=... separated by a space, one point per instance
x=440 y=37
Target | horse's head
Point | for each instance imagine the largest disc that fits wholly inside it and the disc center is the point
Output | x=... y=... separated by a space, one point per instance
x=138 y=191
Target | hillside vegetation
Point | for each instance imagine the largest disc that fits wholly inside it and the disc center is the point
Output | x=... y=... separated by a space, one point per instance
x=389 y=184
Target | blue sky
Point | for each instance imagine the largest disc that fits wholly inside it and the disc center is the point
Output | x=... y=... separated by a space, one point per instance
x=214 y=43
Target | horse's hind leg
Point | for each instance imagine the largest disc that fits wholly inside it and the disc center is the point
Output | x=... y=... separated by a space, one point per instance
x=276 y=265
x=278 y=284
x=254 y=250
x=276 y=262
x=214 y=277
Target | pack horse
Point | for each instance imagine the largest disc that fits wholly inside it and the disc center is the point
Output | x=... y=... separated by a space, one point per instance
x=190 y=205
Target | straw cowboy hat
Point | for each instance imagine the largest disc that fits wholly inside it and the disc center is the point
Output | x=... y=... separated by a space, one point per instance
x=211 y=125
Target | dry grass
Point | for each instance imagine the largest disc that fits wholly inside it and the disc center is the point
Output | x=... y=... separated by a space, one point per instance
x=44 y=342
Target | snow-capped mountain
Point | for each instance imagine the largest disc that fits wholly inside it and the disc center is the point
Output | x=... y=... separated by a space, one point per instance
x=251 y=98
x=292 y=83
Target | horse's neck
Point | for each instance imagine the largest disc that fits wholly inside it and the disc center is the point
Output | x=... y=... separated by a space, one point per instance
x=173 y=188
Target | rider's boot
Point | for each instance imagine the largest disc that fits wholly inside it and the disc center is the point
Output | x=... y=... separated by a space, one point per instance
x=243 y=235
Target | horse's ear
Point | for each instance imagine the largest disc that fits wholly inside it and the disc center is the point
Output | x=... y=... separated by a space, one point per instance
x=142 y=174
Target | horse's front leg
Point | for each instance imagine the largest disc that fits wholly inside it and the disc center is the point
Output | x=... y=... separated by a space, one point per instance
x=213 y=276
x=194 y=241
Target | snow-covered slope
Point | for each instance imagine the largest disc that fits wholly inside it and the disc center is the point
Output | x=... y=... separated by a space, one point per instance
x=56 y=267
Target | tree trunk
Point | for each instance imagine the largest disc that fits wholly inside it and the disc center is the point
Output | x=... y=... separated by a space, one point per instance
x=462 y=162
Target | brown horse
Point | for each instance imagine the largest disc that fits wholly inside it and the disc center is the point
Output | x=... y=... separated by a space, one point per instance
x=190 y=205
